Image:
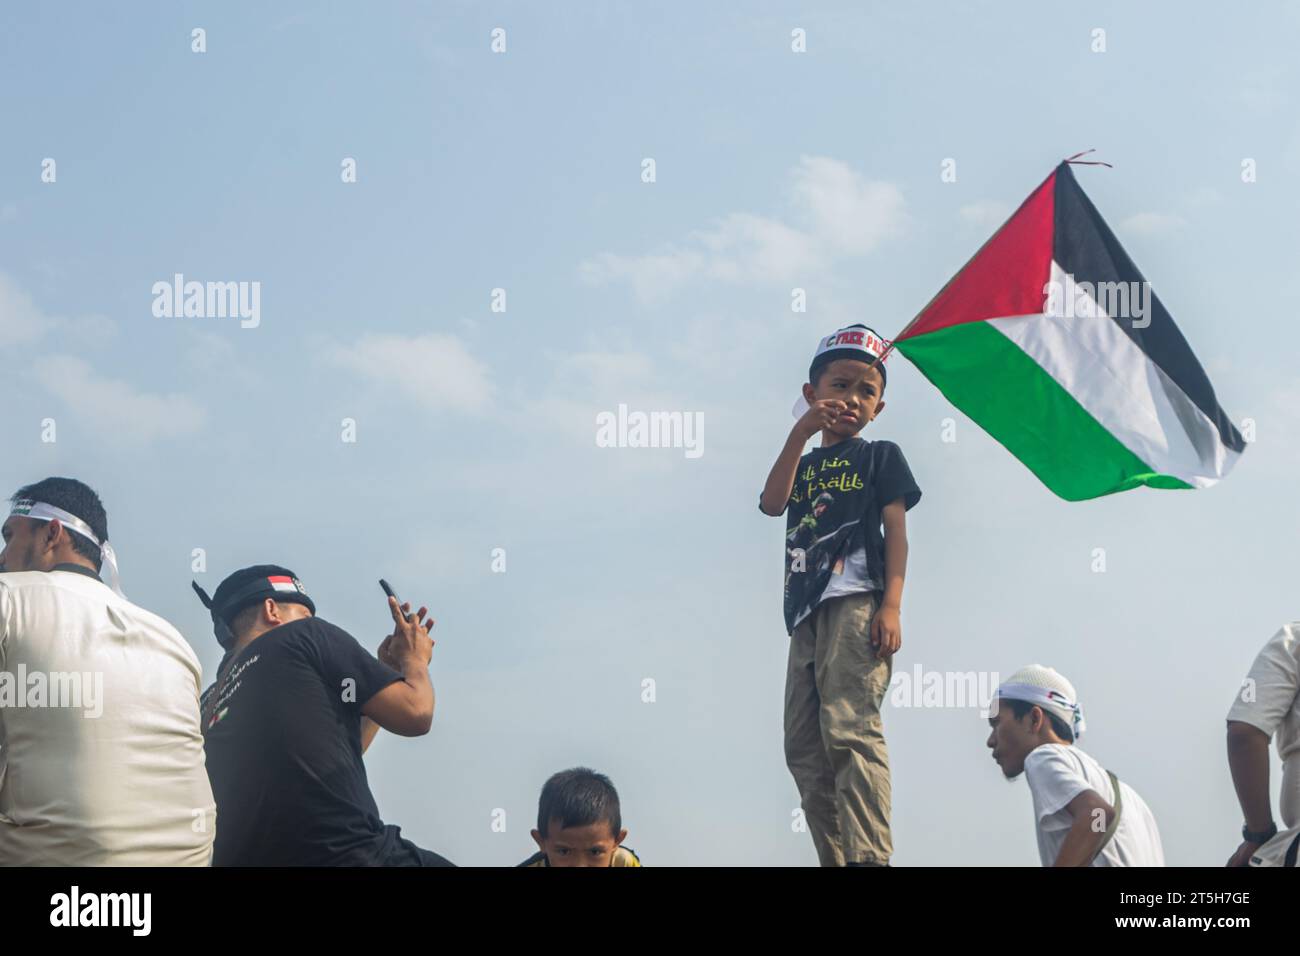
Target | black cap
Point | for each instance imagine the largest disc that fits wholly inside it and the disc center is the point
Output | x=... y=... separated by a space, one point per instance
x=249 y=586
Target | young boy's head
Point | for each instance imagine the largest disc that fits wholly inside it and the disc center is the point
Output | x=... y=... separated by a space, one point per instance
x=845 y=367
x=578 y=819
x=1035 y=706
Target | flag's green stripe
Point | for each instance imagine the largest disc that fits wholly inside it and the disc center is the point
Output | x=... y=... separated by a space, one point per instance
x=1008 y=394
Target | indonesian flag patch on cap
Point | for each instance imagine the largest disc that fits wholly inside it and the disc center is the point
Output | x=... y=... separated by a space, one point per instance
x=249 y=586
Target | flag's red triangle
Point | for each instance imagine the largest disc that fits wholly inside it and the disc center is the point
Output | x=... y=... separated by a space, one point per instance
x=1007 y=275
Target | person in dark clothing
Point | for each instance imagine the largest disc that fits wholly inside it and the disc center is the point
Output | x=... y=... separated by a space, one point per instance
x=296 y=702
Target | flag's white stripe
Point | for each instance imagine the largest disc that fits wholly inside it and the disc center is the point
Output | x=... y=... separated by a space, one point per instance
x=1128 y=394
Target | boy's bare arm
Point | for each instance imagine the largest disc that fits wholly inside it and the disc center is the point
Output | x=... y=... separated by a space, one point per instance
x=780 y=480
x=886 y=629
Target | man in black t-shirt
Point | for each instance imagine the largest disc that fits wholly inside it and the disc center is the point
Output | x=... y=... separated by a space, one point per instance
x=846 y=555
x=295 y=704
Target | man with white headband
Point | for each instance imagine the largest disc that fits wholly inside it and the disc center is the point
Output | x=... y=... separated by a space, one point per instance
x=101 y=755
x=1084 y=814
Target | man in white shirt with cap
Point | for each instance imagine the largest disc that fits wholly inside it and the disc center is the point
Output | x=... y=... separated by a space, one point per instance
x=1268 y=705
x=101 y=755
x=1085 y=816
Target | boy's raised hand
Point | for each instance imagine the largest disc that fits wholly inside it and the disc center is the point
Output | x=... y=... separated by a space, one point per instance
x=821 y=414
x=886 y=631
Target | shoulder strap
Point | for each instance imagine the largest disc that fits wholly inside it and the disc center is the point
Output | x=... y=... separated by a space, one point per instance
x=1114 y=823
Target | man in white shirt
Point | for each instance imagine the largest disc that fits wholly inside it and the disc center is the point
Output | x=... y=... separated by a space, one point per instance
x=1268 y=705
x=101 y=755
x=1084 y=815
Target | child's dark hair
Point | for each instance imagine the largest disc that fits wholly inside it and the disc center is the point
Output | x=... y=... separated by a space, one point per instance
x=819 y=369
x=579 y=798
x=1022 y=707
x=75 y=498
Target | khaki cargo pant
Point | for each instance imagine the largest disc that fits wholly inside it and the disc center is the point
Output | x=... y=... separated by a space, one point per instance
x=834 y=738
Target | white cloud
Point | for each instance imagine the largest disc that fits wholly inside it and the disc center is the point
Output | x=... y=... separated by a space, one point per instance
x=23 y=321
x=20 y=320
x=1152 y=224
x=986 y=214
x=600 y=372
x=434 y=370
x=720 y=344
x=115 y=408
x=582 y=386
x=833 y=213
x=650 y=275
x=209 y=351
x=89 y=330
x=849 y=214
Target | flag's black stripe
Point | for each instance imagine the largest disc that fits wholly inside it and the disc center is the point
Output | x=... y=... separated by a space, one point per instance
x=1085 y=247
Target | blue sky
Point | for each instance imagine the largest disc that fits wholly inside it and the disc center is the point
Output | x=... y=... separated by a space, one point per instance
x=475 y=429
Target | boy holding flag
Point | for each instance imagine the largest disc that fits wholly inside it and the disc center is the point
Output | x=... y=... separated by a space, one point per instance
x=843 y=594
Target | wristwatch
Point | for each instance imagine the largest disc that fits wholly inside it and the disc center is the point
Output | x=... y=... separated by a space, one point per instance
x=1263 y=836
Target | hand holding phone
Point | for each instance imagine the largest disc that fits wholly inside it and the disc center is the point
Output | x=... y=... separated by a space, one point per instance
x=389 y=591
x=411 y=634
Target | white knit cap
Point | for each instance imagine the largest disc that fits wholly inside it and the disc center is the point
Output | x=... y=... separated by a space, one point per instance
x=1045 y=687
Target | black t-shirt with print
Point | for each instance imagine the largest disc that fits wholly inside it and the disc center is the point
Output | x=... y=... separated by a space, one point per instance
x=834 y=544
x=283 y=747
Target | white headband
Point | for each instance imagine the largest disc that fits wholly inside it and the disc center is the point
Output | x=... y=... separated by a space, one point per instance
x=1048 y=699
x=41 y=511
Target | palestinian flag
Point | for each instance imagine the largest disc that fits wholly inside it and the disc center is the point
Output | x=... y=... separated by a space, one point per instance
x=1052 y=341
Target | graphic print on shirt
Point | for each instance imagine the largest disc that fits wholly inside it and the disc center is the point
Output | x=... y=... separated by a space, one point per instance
x=826 y=508
x=221 y=707
x=833 y=543
x=285 y=761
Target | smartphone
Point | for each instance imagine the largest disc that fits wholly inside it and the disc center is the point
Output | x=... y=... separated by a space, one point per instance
x=390 y=592
x=388 y=589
